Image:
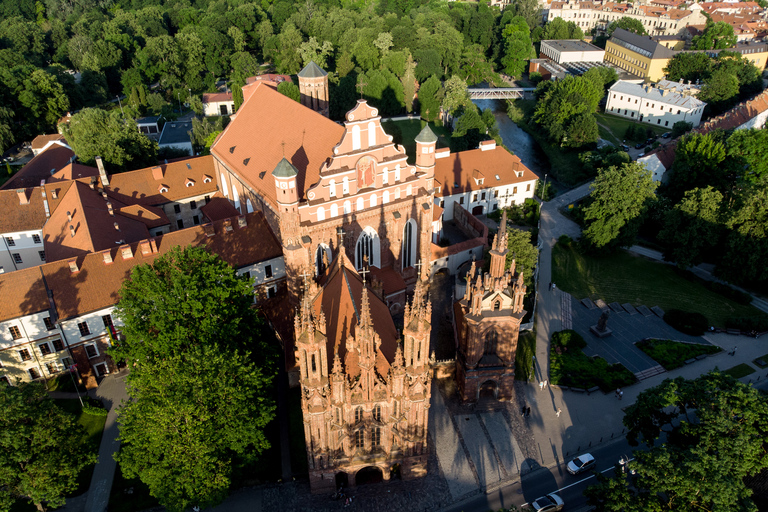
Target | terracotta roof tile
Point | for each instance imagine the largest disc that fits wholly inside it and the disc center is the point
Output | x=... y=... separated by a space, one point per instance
x=40 y=141
x=74 y=171
x=272 y=119
x=97 y=284
x=29 y=216
x=458 y=169
x=22 y=293
x=55 y=158
x=391 y=281
x=213 y=97
x=219 y=208
x=150 y=216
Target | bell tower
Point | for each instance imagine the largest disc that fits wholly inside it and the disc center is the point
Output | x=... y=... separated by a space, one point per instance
x=286 y=192
x=499 y=250
x=313 y=86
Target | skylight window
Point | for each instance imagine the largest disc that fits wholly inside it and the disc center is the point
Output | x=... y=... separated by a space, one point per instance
x=497 y=178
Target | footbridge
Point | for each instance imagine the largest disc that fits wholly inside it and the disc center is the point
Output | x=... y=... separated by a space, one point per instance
x=499 y=93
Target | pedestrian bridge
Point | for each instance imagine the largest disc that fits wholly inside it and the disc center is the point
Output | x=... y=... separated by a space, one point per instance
x=500 y=93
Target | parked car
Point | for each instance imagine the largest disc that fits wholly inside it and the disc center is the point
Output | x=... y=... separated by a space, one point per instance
x=581 y=463
x=640 y=145
x=666 y=135
x=624 y=147
x=549 y=503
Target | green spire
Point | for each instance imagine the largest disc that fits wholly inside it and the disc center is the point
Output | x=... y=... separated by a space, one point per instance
x=426 y=135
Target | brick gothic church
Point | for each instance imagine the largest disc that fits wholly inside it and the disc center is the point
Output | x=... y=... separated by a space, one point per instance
x=488 y=322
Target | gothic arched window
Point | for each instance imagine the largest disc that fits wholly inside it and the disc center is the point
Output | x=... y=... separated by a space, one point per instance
x=359 y=439
x=409 y=244
x=491 y=339
x=377 y=413
x=358 y=415
x=367 y=250
x=322 y=258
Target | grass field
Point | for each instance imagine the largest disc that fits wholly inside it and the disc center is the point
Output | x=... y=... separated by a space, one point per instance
x=94 y=427
x=565 y=165
x=673 y=354
x=622 y=277
x=526 y=348
x=410 y=128
x=613 y=127
x=740 y=370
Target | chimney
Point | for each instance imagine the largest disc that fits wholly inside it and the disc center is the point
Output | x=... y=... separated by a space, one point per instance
x=104 y=195
x=107 y=257
x=54 y=194
x=110 y=209
x=73 y=266
x=71 y=230
x=126 y=251
x=117 y=226
x=69 y=216
x=22 y=193
x=208 y=230
x=152 y=245
x=157 y=172
x=241 y=223
x=45 y=199
x=102 y=172
x=228 y=225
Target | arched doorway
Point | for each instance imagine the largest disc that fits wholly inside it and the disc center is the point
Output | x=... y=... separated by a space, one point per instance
x=368 y=475
x=488 y=389
x=342 y=480
x=477 y=210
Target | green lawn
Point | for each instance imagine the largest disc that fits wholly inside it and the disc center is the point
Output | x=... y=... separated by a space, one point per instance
x=571 y=367
x=526 y=348
x=94 y=427
x=622 y=277
x=564 y=164
x=613 y=127
x=673 y=354
x=740 y=370
x=409 y=129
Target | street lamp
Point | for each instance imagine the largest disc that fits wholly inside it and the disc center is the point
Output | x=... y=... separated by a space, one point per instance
x=178 y=98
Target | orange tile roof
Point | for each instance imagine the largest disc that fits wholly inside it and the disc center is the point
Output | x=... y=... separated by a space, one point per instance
x=96 y=285
x=213 y=97
x=40 y=141
x=150 y=216
x=55 y=158
x=252 y=144
x=391 y=281
x=143 y=186
x=30 y=216
x=219 y=208
x=268 y=77
x=458 y=169
x=437 y=212
x=341 y=300
x=74 y=171
x=22 y=293
x=94 y=227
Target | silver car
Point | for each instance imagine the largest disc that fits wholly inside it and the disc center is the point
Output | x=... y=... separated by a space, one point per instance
x=549 y=503
x=581 y=463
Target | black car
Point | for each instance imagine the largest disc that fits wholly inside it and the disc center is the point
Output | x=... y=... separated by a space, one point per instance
x=625 y=147
x=640 y=145
x=666 y=135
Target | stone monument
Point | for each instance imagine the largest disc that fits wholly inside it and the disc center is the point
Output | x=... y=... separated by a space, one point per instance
x=601 y=329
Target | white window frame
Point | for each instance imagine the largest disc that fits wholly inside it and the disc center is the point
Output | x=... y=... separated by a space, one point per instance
x=50 y=348
x=95 y=347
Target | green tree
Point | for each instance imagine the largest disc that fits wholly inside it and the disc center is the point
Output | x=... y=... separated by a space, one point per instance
x=189 y=424
x=627 y=23
x=681 y=128
x=455 y=96
x=716 y=36
x=289 y=89
x=44 y=99
x=518 y=47
x=313 y=51
x=430 y=97
x=692 y=228
x=288 y=58
x=747 y=147
x=42 y=448
x=6 y=132
x=620 y=196
x=409 y=83
x=523 y=252
x=706 y=456
x=603 y=75
x=688 y=66
x=580 y=131
x=746 y=246
x=721 y=90
x=562 y=102
x=556 y=29
x=698 y=164
x=529 y=10
x=94 y=132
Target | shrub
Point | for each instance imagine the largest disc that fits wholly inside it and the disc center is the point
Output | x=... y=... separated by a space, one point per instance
x=673 y=354
x=94 y=410
x=579 y=371
x=694 y=324
x=565 y=240
x=535 y=77
x=748 y=323
x=568 y=339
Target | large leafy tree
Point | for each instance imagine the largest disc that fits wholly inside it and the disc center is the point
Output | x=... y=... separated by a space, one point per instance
x=527 y=9
x=716 y=36
x=561 y=108
x=746 y=246
x=42 y=448
x=720 y=90
x=95 y=132
x=523 y=252
x=748 y=148
x=698 y=163
x=715 y=436
x=518 y=47
x=688 y=66
x=201 y=370
x=692 y=228
x=430 y=97
x=627 y=23
x=619 y=198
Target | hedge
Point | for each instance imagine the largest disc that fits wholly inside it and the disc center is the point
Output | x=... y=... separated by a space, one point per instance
x=759 y=324
x=694 y=324
x=673 y=354
x=568 y=339
x=569 y=366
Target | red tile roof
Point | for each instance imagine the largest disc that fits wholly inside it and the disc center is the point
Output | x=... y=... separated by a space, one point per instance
x=281 y=126
x=96 y=284
x=40 y=141
x=391 y=281
x=74 y=171
x=214 y=97
x=55 y=158
x=22 y=293
x=29 y=216
x=219 y=208
x=150 y=216
x=458 y=169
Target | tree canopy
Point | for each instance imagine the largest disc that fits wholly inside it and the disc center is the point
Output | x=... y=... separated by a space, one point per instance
x=627 y=23
x=518 y=47
x=523 y=252
x=715 y=434
x=692 y=228
x=565 y=109
x=42 y=448
x=716 y=36
x=201 y=371
x=620 y=196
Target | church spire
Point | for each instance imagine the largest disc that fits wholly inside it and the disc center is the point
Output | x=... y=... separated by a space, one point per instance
x=499 y=251
x=365 y=310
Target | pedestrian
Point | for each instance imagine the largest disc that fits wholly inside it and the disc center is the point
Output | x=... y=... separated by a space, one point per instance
x=618 y=392
x=621 y=395
x=554 y=286
x=528 y=412
x=559 y=410
x=550 y=286
x=546 y=383
x=523 y=411
x=541 y=385
x=733 y=352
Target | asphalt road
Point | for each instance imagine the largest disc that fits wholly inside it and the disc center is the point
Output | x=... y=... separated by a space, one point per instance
x=547 y=480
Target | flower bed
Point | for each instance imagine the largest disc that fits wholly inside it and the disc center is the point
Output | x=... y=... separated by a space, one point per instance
x=673 y=354
x=569 y=366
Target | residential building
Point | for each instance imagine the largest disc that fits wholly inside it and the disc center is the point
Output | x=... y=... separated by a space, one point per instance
x=149 y=126
x=218 y=104
x=564 y=51
x=54 y=156
x=638 y=55
x=41 y=142
x=481 y=180
x=663 y=104
x=176 y=135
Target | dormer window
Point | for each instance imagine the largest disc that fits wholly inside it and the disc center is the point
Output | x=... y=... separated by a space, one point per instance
x=479 y=181
x=189 y=183
x=163 y=189
x=207 y=179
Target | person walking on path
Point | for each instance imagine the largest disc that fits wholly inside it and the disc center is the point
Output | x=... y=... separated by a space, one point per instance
x=618 y=390
x=559 y=410
x=528 y=411
x=523 y=411
x=541 y=385
x=733 y=352
x=546 y=383
x=621 y=395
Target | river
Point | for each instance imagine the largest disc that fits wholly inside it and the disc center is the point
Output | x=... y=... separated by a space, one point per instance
x=515 y=138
